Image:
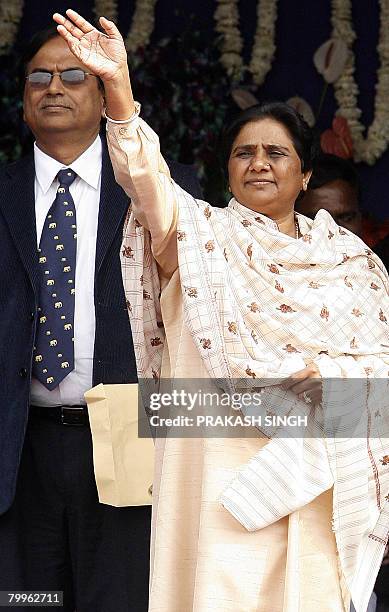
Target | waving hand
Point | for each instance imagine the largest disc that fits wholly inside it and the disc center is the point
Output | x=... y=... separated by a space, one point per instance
x=104 y=54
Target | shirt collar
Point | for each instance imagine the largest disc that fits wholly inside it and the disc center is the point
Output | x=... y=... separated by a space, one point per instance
x=87 y=166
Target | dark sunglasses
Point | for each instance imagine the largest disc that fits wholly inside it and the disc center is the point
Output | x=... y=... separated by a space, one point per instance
x=73 y=76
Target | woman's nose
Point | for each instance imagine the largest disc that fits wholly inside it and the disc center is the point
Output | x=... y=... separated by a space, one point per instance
x=258 y=163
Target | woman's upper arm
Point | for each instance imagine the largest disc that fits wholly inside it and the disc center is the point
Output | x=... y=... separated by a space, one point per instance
x=144 y=175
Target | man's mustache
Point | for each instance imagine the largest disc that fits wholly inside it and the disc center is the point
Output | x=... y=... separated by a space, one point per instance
x=55 y=103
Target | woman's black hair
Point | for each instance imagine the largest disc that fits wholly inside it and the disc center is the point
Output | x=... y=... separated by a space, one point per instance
x=304 y=139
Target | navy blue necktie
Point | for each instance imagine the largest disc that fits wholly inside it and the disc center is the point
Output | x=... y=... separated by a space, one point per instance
x=54 y=342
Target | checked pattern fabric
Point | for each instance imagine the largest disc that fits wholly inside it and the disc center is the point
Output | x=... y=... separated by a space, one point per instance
x=54 y=343
x=258 y=305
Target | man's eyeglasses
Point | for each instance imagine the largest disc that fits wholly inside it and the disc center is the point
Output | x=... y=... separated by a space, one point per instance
x=73 y=76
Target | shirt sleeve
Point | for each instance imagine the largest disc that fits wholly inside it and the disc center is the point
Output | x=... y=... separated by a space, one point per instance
x=142 y=172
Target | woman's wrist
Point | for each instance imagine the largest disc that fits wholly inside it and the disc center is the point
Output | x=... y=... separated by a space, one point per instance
x=129 y=118
x=119 y=100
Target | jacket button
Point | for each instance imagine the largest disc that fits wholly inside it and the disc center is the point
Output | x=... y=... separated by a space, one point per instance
x=23 y=372
x=32 y=316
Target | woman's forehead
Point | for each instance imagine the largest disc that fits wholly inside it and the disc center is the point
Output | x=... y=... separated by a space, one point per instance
x=266 y=131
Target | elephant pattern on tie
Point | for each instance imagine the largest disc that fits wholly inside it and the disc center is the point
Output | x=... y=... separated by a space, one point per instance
x=54 y=343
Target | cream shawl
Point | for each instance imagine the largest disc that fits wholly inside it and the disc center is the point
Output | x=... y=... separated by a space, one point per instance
x=260 y=304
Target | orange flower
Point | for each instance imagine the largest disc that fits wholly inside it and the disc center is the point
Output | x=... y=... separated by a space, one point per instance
x=354 y=344
x=273 y=268
x=356 y=312
x=205 y=343
x=191 y=291
x=207 y=212
x=347 y=282
x=382 y=317
x=128 y=252
x=232 y=327
x=325 y=313
x=290 y=349
x=338 y=140
x=253 y=307
x=279 y=287
x=286 y=308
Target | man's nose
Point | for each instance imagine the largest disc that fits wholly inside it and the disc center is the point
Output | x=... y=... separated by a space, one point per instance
x=55 y=86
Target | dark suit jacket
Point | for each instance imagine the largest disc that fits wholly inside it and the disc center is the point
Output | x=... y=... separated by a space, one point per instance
x=114 y=360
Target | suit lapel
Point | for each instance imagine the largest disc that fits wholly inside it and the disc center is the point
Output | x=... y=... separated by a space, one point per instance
x=18 y=207
x=113 y=206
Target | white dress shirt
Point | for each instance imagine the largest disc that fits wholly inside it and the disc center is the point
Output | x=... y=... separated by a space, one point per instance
x=85 y=191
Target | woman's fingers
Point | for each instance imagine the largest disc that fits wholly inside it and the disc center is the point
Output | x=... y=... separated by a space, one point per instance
x=309 y=384
x=306 y=384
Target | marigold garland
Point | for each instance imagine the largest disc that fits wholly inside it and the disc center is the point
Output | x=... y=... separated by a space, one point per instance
x=142 y=25
x=227 y=24
x=106 y=8
x=367 y=149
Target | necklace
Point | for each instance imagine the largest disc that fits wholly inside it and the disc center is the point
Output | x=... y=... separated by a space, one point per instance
x=296 y=227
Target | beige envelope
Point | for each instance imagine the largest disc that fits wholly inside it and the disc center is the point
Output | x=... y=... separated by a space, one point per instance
x=123 y=462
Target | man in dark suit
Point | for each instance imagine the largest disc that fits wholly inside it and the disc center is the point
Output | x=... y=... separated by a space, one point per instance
x=54 y=535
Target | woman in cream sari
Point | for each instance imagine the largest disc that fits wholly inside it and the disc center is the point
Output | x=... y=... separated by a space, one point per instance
x=253 y=291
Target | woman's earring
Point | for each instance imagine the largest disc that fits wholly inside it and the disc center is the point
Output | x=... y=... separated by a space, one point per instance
x=229 y=189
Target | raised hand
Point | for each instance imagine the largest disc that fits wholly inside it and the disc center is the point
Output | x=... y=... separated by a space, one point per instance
x=103 y=54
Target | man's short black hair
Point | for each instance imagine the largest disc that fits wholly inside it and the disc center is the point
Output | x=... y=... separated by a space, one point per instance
x=39 y=39
x=328 y=168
